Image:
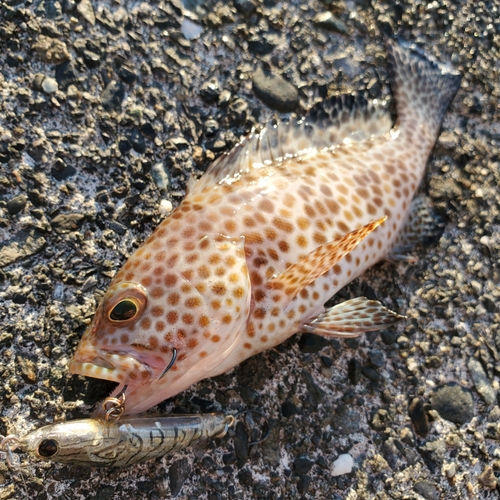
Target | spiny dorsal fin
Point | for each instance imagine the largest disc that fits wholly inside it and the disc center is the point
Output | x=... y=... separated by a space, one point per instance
x=352 y=318
x=340 y=119
x=319 y=261
x=348 y=118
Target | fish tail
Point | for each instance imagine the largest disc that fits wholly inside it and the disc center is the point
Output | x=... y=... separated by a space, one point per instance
x=422 y=89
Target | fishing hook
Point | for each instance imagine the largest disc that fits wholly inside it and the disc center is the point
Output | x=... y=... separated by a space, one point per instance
x=172 y=361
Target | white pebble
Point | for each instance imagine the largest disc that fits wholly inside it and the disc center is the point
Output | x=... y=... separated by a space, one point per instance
x=165 y=207
x=49 y=85
x=190 y=30
x=343 y=465
x=160 y=176
x=450 y=469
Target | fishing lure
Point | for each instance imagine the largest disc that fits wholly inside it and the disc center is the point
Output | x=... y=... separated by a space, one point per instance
x=116 y=442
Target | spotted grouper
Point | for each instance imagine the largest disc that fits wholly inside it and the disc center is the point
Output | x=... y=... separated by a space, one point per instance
x=267 y=235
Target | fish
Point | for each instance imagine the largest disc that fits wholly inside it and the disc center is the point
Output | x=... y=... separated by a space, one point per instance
x=126 y=441
x=272 y=231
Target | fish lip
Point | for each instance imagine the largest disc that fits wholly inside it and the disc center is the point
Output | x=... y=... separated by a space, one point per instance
x=89 y=369
x=117 y=369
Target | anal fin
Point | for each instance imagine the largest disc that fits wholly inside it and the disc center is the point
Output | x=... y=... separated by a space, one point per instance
x=422 y=227
x=319 y=261
x=352 y=318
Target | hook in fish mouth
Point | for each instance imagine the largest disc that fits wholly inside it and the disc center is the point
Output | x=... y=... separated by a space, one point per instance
x=172 y=361
x=113 y=407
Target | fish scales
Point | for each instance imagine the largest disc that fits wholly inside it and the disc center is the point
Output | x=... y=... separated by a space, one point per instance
x=271 y=232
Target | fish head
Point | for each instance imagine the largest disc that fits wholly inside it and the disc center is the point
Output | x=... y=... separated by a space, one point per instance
x=188 y=312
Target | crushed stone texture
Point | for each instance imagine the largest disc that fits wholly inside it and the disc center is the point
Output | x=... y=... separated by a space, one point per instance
x=94 y=94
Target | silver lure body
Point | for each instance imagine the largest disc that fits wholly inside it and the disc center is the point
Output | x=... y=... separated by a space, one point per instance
x=131 y=440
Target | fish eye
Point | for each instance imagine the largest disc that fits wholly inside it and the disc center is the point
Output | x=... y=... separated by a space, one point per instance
x=48 y=448
x=125 y=310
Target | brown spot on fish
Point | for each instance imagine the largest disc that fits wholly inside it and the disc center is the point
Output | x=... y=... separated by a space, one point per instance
x=172 y=317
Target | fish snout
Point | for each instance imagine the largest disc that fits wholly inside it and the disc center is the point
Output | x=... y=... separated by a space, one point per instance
x=115 y=367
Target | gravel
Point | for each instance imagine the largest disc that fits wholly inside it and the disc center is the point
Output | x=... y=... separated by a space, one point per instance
x=108 y=108
x=275 y=91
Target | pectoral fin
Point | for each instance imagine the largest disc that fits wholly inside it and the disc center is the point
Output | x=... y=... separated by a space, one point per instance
x=352 y=318
x=319 y=261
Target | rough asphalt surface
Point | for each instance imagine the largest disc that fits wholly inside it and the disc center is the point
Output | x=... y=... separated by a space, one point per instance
x=107 y=108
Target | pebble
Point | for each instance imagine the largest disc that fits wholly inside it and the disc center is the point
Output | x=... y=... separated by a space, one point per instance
x=311 y=343
x=328 y=21
x=65 y=74
x=117 y=227
x=427 y=489
x=481 y=382
x=113 y=95
x=354 y=371
x=380 y=420
x=190 y=30
x=165 y=207
x=240 y=440
x=51 y=51
x=137 y=140
x=289 y=409
x=85 y=9
x=210 y=91
x=274 y=91
x=49 y=85
x=450 y=469
x=343 y=465
x=418 y=417
x=303 y=484
x=494 y=415
x=346 y=423
x=435 y=450
x=127 y=74
x=17 y=204
x=20 y=246
x=245 y=7
x=487 y=478
x=124 y=145
x=245 y=477
x=376 y=358
x=370 y=373
x=302 y=465
x=91 y=59
x=51 y=9
x=389 y=337
x=27 y=369
x=160 y=176
x=178 y=472
x=454 y=403
x=64 y=223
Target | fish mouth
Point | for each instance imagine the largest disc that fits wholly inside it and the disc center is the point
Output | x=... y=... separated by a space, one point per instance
x=115 y=367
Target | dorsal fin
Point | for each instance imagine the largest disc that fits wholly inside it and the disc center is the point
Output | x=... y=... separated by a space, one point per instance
x=340 y=119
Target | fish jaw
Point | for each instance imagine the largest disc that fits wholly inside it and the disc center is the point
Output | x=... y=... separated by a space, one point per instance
x=183 y=374
x=134 y=368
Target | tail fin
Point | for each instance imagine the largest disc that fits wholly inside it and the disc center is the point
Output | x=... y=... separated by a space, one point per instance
x=422 y=89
